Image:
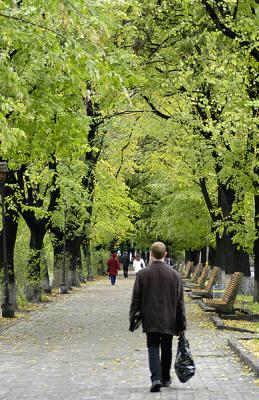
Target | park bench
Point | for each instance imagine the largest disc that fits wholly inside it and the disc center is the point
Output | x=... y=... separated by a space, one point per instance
x=201 y=279
x=226 y=303
x=188 y=270
x=179 y=267
x=207 y=291
x=197 y=273
x=195 y=276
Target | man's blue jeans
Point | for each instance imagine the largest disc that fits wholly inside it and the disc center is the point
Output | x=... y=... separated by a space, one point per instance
x=159 y=368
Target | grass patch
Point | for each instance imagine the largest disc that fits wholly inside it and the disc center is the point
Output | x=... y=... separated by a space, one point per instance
x=251 y=326
x=247 y=302
x=251 y=345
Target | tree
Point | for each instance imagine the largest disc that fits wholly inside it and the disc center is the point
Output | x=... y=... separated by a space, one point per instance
x=185 y=81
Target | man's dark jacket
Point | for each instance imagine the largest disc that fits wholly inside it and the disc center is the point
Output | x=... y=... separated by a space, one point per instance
x=158 y=294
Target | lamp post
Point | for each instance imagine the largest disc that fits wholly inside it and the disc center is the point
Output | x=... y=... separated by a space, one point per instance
x=7 y=307
x=63 y=287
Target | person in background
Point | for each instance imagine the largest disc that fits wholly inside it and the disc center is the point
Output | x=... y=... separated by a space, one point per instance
x=125 y=260
x=158 y=297
x=113 y=268
x=138 y=263
x=168 y=261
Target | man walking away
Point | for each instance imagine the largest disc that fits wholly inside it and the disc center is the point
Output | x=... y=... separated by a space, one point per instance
x=125 y=262
x=158 y=295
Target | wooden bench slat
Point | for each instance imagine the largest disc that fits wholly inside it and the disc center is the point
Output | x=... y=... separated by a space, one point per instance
x=226 y=304
x=207 y=291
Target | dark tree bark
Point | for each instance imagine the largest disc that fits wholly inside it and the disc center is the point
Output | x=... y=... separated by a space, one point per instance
x=73 y=261
x=86 y=250
x=187 y=256
x=256 y=251
x=29 y=195
x=45 y=281
x=58 y=249
x=203 y=255
x=212 y=257
x=11 y=223
x=38 y=230
x=73 y=254
x=228 y=256
x=11 y=234
x=192 y=255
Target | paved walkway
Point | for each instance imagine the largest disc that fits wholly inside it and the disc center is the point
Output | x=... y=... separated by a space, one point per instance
x=79 y=348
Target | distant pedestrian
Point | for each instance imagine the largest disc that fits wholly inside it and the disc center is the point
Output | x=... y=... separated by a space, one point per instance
x=158 y=297
x=138 y=263
x=113 y=268
x=168 y=261
x=125 y=262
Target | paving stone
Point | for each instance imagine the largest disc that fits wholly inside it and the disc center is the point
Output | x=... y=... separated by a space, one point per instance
x=79 y=348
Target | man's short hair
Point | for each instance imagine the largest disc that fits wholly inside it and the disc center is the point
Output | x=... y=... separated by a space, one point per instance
x=158 y=250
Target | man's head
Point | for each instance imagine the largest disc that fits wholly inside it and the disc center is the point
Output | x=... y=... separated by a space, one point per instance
x=158 y=251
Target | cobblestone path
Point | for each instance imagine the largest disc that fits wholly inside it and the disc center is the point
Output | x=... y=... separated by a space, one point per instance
x=80 y=348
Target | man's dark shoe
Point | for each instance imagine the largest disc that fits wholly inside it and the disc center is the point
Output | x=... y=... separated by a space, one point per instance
x=155 y=387
x=167 y=383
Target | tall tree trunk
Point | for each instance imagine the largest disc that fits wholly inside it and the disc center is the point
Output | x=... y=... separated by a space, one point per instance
x=33 y=286
x=212 y=257
x=58 y=248
x=81 y=275
x=86 y=250
x=256 y=251
x=45 y=281
x=192 y=255
x=188 y=255
x=11 y=225
x=203 y=255
x=74 y=261
x=228 y=256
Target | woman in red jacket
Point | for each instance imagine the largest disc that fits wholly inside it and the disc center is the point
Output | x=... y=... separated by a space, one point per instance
x=113 y=268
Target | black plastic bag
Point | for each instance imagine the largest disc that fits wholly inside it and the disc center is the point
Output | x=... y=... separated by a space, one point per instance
x=184 y=364
x=136 y=321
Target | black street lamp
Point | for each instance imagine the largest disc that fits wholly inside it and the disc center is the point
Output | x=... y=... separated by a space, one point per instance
x=7 y=307
x=63 y=287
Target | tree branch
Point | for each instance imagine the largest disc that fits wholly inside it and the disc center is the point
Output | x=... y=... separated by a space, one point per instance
x=119 y=113
x=227 y=31
x=236 y=9
x=25 y=21
x=219 y=24
x=55 y=193
x=124 y=148
x=159 y=45
x=154 y=109
x=207 y=199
